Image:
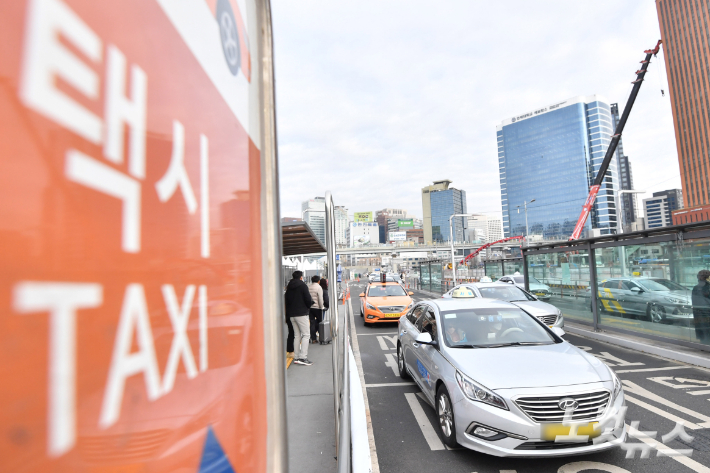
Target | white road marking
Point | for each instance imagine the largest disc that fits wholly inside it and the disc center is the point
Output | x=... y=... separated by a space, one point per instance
x=664 y=450
x=666 y=368
x=392 y=363
x=661 y=412
x=383 y=385
x=639 y=391
x=427 y=430
x=611 y=360
x=381 y=333
x=666 y=381
x=576 y=467
x=698 y=393
x=393 y=339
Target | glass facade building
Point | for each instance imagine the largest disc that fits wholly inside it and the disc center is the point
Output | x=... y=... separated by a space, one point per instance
x=444 y=204
x=552 y=155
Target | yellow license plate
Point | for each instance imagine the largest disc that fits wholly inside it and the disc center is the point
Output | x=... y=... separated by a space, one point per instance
x=551 y=431
x=540 y=294
x=389 y=316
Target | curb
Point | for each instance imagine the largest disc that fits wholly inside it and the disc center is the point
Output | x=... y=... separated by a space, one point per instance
x=642 y=347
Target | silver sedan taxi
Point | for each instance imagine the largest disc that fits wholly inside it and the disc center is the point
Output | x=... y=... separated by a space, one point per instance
x=504 y=384
x=547 y=313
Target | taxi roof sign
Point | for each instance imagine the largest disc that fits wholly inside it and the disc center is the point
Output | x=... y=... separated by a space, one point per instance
x=463 y=292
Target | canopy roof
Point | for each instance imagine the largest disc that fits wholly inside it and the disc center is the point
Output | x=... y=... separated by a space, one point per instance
x=299 y=239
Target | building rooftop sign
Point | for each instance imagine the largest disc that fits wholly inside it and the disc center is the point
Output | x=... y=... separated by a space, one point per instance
x=550 y=108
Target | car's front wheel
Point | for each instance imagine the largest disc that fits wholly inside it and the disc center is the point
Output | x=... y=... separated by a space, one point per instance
x=400 y=363
x=445 y=413
x=656 y=313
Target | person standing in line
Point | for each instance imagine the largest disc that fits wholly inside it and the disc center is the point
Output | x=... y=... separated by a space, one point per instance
x=701 y=307
x=316 y=310
x=326 y=302
x=298 y=301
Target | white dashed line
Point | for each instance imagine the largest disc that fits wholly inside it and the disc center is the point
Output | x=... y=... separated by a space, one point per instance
x=427 y=430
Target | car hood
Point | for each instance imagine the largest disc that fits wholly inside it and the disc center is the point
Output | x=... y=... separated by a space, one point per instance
x=560 y=364
x=390 y=300
x=534 y=285
x=536 y=308
x=685 y=295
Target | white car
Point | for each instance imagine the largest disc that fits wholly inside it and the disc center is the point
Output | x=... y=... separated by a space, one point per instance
x=541 y=290
x=504 y=384
x=548 y=314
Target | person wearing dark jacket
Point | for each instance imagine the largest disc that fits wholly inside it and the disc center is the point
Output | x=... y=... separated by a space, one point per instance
x=701 y=307
x=298 y=303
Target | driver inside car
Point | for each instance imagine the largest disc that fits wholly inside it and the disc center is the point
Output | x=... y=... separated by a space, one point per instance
x=455 y=334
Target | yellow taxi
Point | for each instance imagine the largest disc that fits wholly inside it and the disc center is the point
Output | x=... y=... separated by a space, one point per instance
x=384 y=302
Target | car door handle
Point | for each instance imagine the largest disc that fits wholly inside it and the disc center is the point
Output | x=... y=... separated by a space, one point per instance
x=415 y=344
x=403 y=332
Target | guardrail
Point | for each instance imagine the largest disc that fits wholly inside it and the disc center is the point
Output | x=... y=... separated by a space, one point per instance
x=341 y=344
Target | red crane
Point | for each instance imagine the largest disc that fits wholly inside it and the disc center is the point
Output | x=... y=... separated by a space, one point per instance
x=594 y=189
x=488 y=245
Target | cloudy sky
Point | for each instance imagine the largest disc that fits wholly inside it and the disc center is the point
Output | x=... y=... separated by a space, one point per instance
x=376 y=99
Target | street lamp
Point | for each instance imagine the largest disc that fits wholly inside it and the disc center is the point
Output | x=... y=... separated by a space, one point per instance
x=451 y=238
x=527 y=231
x=619 y=226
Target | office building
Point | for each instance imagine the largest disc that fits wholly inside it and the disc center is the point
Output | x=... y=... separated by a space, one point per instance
x=439 y=202
x=552 y=155
x=691 y=215
x=313 y=212
x=363 y=234
x=684 y=31
x=387 y=220
x=657 y=209
x=627 y=202
x=341 y=226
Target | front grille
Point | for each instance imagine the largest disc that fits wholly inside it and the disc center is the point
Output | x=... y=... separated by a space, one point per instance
x=551 y=445
x=548 y=319
x=546 y=409
x=392 y=309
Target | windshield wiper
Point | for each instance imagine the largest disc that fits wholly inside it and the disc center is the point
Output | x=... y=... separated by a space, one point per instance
x=468 y=346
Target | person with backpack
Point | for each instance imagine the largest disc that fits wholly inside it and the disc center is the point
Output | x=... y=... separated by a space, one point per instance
x=326 y=304
x=298 y=302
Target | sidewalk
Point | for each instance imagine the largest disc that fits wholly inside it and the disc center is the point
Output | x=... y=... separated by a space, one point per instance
x=668 y=350
x=310 y=411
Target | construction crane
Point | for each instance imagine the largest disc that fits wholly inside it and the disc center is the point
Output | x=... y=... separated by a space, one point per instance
x=594 y=189
x=488 y=245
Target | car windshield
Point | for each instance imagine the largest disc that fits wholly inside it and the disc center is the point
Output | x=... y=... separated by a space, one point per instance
x=491 y=328
x=505 y=293
x=673 y=286
x=651 y=285
x=533 y=280
x=383 y=291
x=519 y=279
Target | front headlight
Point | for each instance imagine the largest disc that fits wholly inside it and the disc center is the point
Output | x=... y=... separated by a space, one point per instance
x=676 y=300
x=559 y=312
x=617 y=384
x=476 y=392
x=370 y=306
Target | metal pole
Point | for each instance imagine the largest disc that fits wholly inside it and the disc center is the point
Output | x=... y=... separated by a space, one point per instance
x=527 y=230
x=333 y=310
x=451 y=237
x=593 y=283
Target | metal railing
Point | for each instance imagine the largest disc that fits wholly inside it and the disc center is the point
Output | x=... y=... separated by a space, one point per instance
x=341 y=344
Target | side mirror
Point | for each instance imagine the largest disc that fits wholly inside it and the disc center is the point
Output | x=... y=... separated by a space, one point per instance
x=410 y=293
x=424 y=339
x=362 y=294
x=558 y=331
x=637 y=290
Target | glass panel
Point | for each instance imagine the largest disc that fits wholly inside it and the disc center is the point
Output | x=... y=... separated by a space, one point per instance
x=493 y=270
x=426 y=277
x=562 y=279
x=647 y=288
x=436 y=277
x=513 y=266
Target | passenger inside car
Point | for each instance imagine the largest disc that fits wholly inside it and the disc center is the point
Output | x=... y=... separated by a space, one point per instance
x=492 y=327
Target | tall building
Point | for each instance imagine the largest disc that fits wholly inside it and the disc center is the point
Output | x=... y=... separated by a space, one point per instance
x=313 y=212
x=341 y=226
x=627 y=202
x=684 y=31
x=439 y=202
x=387 y=221
x=552 y=155
x=363 y=234
x=657 y=210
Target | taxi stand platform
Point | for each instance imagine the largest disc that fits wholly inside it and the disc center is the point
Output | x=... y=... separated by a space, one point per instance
x=311 y=419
